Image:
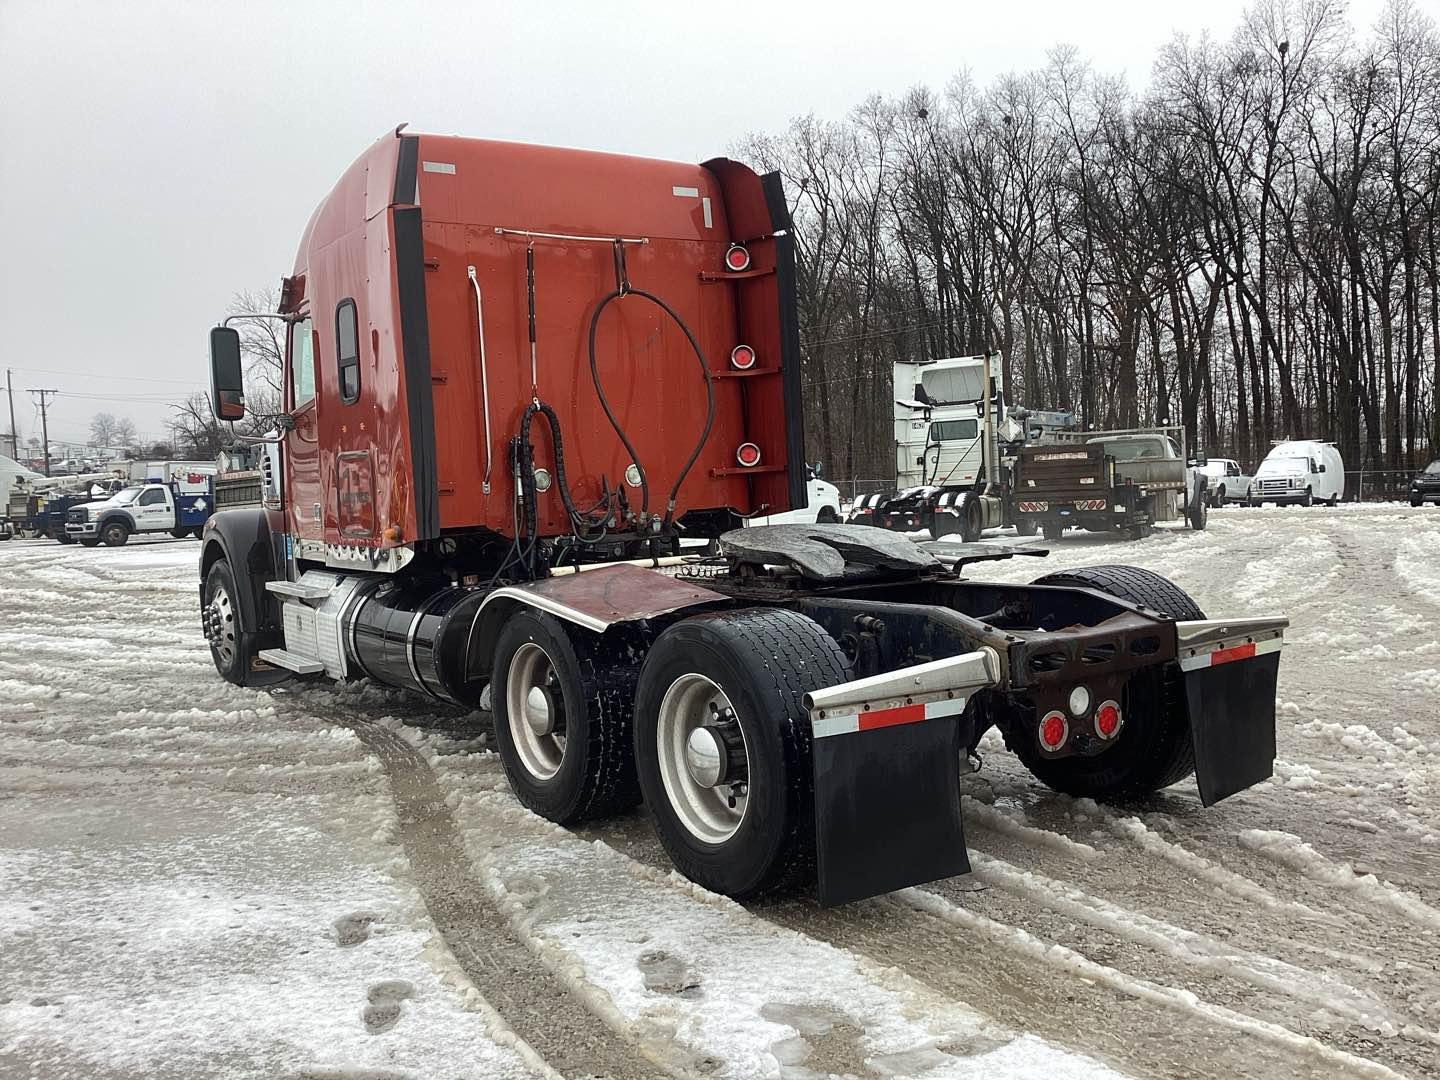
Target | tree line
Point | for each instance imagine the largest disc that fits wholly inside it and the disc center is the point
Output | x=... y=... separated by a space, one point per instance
x=1247 y=247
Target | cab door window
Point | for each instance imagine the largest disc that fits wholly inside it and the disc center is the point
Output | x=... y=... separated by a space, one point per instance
x=152 y=497
x=302 y=364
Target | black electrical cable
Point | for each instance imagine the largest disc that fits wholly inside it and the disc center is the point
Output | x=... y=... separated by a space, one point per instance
x=615 y=423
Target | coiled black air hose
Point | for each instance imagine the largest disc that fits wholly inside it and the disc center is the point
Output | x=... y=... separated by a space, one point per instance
x=615 y=423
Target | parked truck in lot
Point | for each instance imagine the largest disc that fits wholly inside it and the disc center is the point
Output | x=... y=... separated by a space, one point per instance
x=1127 y=481
x=1300 y=472
x=966 y=462
x=179 y=507
x=517 y=380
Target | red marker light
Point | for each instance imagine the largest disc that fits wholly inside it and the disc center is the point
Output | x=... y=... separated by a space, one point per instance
x=742 y=357
x=748 y=454
x=1054 y=730
x=1108 y=720
x=737 y=258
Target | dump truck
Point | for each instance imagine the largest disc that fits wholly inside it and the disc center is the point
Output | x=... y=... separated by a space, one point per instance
x=521 y=385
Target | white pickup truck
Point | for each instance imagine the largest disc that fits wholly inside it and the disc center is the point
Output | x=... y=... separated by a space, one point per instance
x=1227 y=481
x=179 y=507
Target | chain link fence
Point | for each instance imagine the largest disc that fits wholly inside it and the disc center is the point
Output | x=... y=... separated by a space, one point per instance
x=1367 y=485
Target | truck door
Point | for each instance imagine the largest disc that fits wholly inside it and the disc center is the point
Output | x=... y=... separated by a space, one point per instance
x=302 y=445
x=154 y=510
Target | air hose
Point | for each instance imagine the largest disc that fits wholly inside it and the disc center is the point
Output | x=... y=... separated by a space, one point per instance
x=616 y=294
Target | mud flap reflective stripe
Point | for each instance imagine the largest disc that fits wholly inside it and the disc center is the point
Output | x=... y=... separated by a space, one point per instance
x=887 y=806
x=1230 y=698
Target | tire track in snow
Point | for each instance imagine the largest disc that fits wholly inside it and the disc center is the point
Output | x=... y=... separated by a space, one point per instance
x=1317 y=990
x=533 y=1000
x=1020 y=941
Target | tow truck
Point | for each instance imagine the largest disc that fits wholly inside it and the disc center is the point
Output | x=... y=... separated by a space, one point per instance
x=520 y=383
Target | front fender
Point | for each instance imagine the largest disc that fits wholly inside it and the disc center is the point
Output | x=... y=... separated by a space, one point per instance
x=245 y=540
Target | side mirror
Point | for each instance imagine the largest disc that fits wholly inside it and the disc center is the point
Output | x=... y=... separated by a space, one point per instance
x=1322 y=467
x=227 y=384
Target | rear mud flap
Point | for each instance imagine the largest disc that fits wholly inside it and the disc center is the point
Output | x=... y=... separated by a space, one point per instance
x=1232 y=723
x=887 y=808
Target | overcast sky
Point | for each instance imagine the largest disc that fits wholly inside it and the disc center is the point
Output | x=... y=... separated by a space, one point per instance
x=157 y=157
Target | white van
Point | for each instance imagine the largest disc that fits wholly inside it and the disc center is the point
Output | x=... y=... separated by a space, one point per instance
x=1301 y=472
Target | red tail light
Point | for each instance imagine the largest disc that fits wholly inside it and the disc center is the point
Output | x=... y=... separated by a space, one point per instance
x=747 y=454
x=1108 y=720
x=1054 y=730
x=737 y=258
x=742 y=357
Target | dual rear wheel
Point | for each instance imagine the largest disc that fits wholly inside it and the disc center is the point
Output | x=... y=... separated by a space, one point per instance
x=713 y=733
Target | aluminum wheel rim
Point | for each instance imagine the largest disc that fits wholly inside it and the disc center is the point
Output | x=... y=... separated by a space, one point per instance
x=532 y=676
x=692 y=702
x=221 y=630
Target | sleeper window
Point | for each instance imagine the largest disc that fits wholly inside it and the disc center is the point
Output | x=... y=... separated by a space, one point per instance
x=347 y=351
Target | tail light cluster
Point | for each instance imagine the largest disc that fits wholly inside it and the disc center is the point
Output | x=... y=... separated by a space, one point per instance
x=737 y=259
x=1054 y=728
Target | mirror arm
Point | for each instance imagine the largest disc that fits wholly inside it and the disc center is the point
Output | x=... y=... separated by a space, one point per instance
x=256 y=315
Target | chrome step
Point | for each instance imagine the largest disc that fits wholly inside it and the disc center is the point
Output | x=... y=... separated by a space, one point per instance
x=300 y=590
x=301 y=665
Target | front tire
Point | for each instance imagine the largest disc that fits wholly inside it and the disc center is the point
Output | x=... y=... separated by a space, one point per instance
x=562 y=721
x=1308 y=499
x=90 y=541
x=1153 y=750
x=720 y=720
x=114 y=534
x=235 y=650
x=827 y=516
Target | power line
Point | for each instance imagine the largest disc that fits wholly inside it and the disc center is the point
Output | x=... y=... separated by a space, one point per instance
x=106 y=375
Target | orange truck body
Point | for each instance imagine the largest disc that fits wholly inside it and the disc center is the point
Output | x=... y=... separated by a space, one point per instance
x=404 y=460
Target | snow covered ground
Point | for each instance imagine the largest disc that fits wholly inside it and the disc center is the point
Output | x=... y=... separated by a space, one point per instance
x=201 y=881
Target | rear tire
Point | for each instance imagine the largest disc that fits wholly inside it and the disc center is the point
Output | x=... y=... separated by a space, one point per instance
x=970 y=524
x=562 y=720
x=1153 y=749
x=1199 y=513
x=760 y=663
x=1053 y=531
x=1026 y=527
x=179 y=534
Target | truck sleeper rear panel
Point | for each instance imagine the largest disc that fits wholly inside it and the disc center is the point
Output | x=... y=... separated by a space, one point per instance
x=415 y=436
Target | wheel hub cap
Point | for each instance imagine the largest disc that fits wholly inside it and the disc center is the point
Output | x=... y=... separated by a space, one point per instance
x=535 y=711
x=705 y=757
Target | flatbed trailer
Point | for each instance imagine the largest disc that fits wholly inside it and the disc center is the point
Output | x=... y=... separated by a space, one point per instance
x=521 y=384
x=1059 y=487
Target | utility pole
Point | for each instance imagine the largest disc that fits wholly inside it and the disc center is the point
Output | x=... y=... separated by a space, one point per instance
x=14 y=435
x=45 y=426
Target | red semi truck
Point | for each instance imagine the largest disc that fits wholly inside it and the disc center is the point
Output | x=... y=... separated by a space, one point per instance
x=530 y=394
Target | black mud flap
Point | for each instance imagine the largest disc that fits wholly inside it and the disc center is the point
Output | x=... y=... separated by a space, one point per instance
x=1232 y=724
x=887 y=808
